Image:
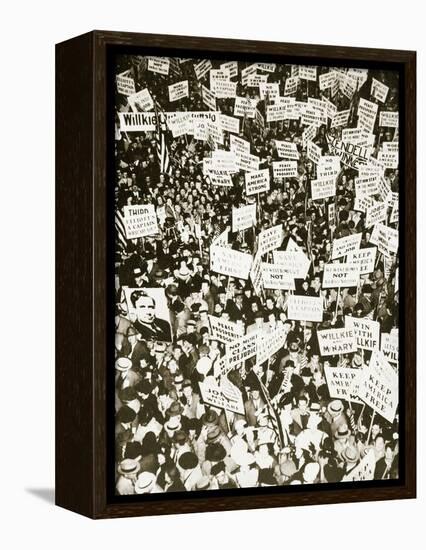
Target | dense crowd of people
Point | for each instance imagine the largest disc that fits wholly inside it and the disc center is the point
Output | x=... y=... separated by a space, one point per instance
x=290 y=430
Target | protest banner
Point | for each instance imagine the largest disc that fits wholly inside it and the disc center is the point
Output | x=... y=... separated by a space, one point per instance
x=255 y=80
x=224 y=161
x=141 y=101
x=340 y=381
x=274 y=113
x=220 y=178
x=336 y=341
x=267 y=67
x=295 y=262
x=386 y=239
x=309 y=133
x=160 y=65
x=287 y=150
x=140 y=221
x=239 y=145
x=344 y=245
x=214 y=394
x=222 y=238
x=364 y=471
x=357 y=136
x=256 y=274
x=340 y=275
x=244 y=107
x=305 y=308
x=365 y=258
x=322 y=188
x=313 y=152
x=307 y=72
x=285 y=169
x=125 y=84
x=276 y=277
x=352 y=156
x=310 y=116
x=180 y=124
x=378 y=386
x=327 y=80
x=348 y=86
x=208 y=98
x=390 y=346
x=257 y=181
x=270 y=239
x=367 y=332
x=231 y=67
x=246 y=162
x=217 y=75
x=269 y=343
x=147 y=122
x=367 y=185
x=376 y=213
x=340 y=118
x=230 y=124
x=243 y=217
x=328 y=167
x=215 y=132
x=230 y=262
x=247 y=72
x=379 y=90
x=362 y=202
x=269 y=90
x=241 y=349
x=388 y=159
x=389 y=119
x=367 y=113
x=332 y=214
x=202 y=68
x=225 y=331
x=178 y=90
x=224 y=89
x=291 y=84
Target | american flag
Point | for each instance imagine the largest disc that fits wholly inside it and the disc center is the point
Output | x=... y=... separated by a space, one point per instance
x=272 y=414
x=161 y=140
x=120 y=230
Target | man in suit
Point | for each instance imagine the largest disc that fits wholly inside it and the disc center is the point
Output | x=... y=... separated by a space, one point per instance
x=147 y=324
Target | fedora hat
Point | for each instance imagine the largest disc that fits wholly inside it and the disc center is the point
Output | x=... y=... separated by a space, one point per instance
x=128 y=466
x=213 y=434
x=210 y=418
x=175 y=409
x=145 y=483
x=188 y=461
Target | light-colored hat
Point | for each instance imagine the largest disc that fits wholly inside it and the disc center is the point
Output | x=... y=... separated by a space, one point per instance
x=173 y=424
x=123 y=364
x=128 y=466
x=311 y=471
x=204 y=364
x=335 y=407
x=145 y=483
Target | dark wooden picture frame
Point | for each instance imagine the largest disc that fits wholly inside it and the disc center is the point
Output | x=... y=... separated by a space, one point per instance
x=82 y=259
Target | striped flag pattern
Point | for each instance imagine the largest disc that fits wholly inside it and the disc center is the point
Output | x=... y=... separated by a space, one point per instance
x=160 y=138
x=120 y=230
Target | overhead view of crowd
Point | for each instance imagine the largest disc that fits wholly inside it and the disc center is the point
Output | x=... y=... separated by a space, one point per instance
x=256 y=274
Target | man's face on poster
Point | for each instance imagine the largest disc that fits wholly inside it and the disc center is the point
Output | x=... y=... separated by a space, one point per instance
x=145 y=310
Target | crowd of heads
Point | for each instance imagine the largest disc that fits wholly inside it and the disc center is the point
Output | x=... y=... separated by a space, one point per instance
x=290 y=431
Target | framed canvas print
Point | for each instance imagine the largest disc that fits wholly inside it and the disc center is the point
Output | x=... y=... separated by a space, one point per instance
x=235 y=274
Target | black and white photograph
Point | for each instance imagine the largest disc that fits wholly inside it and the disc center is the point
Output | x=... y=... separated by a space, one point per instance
x=256 y=224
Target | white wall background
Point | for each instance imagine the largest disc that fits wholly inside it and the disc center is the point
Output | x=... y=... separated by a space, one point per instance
x=28 y=34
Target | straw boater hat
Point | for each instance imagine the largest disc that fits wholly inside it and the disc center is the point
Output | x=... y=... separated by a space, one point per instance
x=350 y=454
x=145 y=483
x=123 y=364
x=173 y=424
x=335 y=407
x=128 y=466
x=342 y=432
